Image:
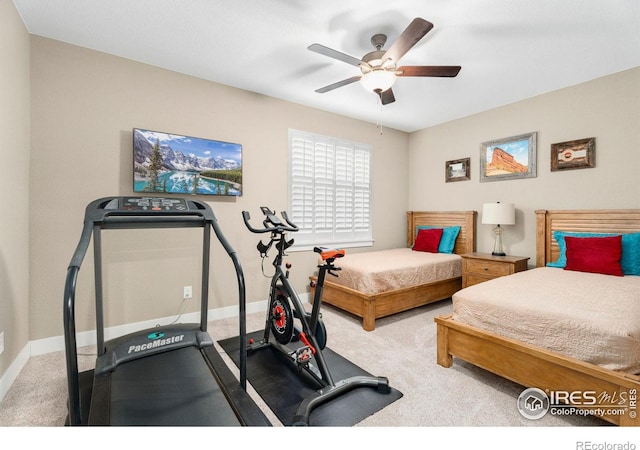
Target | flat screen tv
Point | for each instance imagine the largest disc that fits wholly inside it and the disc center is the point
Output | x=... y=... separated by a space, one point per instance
x=175 y=164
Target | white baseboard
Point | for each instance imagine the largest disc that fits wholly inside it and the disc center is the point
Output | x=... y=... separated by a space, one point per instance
x=56 y=343
x=13 y=371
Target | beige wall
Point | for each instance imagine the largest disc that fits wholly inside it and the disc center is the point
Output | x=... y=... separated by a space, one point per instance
x=14 y=184
x=607 y=109
x=85 y=106
x=77 y=147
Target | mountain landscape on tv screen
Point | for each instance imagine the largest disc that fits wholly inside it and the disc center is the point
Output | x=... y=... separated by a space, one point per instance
x=184 y=165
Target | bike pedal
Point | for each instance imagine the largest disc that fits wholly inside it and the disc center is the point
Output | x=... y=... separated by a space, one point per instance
x=303 y=355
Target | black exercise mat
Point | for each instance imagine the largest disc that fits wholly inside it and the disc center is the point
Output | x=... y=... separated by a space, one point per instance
x=282 y=387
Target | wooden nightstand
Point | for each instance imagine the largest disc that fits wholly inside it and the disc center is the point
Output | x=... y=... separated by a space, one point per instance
x=479 y=267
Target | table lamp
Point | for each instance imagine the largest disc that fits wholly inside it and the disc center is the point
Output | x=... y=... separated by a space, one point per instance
x=498 y=214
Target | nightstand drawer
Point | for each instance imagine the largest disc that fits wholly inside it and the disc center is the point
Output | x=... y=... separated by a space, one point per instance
x=472 y=278
x=490 y=268
x=479 y=267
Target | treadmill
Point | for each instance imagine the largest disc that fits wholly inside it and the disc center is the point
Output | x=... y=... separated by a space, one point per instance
x=164 y=376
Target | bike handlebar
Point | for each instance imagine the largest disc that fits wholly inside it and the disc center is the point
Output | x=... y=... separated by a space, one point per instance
x=272 y=223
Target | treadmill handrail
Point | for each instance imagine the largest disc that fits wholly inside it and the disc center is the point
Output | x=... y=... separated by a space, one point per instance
x=97 y=213
x=71 y=352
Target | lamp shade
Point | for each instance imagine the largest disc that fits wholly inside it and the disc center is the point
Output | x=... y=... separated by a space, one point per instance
x=378 y=80
x=499 y=213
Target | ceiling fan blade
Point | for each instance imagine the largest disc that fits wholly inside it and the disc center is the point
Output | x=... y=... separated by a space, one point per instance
x=338 y=84
x=387 y=96
x=428 y=71
x=331 y=53
x=409 y=37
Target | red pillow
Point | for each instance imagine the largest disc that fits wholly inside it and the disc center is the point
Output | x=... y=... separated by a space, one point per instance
x=428 y=240
x=594 y=254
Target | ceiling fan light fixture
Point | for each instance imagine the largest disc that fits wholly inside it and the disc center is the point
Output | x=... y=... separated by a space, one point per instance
x=378 y=80
x=379 y=68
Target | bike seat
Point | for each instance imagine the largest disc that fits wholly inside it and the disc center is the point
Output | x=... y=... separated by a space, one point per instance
x=330 y=254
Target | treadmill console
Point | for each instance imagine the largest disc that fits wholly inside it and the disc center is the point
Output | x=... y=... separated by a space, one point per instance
x=159 y=204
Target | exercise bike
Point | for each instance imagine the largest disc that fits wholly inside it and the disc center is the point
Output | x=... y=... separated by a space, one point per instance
x=299 y=335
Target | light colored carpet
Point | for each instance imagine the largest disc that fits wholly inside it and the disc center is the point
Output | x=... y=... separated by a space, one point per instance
x=402 y=348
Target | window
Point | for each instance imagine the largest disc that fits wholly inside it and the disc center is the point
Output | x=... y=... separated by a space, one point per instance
x=329 y=190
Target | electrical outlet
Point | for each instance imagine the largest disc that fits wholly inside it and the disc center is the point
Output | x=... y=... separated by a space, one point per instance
x=1 y=342
x=188 y=292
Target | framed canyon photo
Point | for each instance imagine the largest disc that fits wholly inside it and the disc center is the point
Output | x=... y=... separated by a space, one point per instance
x=509 y=158
x=578 y=154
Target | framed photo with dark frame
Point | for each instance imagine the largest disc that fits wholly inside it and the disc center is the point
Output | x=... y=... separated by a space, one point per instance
x=509 y=158
x=578 y=154
x=457 y=170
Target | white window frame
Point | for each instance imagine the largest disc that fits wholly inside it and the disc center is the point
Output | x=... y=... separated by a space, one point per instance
x=329 y=191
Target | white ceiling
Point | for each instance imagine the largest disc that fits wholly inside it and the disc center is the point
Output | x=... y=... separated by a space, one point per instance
x=508 y=49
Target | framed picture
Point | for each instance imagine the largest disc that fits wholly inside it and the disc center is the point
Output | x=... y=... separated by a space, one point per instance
x=457 y=170
x=577 y=154
x=509 y=158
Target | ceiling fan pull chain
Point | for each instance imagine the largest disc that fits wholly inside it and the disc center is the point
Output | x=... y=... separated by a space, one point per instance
x=378 y=124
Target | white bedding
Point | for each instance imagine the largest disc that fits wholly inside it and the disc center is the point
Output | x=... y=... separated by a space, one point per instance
x=387 y=270
x=591 y=317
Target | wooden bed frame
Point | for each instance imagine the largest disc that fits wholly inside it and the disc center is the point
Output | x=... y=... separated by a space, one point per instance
x=375 y=306
x=532 y=366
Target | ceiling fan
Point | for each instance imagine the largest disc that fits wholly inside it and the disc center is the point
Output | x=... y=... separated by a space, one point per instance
x=379 y=67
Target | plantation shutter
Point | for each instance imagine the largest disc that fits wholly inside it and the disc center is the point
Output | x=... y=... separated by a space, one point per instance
x=329 y=190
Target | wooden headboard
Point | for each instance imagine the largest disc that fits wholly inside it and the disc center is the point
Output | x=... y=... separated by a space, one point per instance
x=594 y=221
x=466 y=241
